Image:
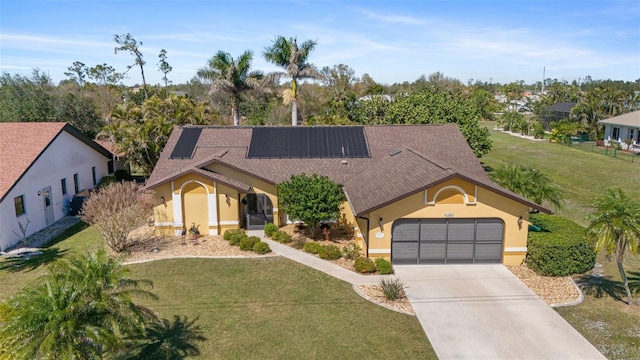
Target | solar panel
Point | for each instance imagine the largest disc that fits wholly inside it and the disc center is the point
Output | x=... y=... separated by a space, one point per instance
x=186 y=143
x=308 y=142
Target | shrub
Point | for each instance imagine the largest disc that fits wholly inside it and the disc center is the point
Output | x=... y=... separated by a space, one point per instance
x=364 y=265
x=248 y=243
x=237 y=238
x=106 y=181
x=561 y=249
x=299 y=241
x=261 y=248
x=122 y=174
x=351 y=251
x=311 y=199
x=281 y=237
x=117 y=210
x=383 y=266
x=329 y=252
x=228 y=233
x=392 y=289
x=312 y=247
x=269 y=229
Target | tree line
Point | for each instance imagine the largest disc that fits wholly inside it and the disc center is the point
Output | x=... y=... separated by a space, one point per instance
x=227 y=90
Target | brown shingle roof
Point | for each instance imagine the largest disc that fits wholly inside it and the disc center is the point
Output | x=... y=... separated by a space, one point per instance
x=428 y=154
x=20 y=146
x=22 y=143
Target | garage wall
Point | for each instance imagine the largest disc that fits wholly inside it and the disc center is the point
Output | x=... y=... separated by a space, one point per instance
x=455 y=205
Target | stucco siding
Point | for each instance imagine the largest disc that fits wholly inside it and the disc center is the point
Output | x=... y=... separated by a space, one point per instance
x=488 y=205
x=64 y=157
x=257 y=186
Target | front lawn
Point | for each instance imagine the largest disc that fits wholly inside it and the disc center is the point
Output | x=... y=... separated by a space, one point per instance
x=274 y=308
x=253 y=308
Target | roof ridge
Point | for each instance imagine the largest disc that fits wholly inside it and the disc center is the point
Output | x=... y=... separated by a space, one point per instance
x=439 y=163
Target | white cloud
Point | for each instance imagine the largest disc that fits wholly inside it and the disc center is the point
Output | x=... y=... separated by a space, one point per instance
x=393 y=19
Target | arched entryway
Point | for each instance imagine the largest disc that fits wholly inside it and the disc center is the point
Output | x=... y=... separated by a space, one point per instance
x=258 y=211
x=195 y=209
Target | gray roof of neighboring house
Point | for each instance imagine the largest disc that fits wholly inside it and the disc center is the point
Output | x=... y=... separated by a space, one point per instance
x=631 y=119
x=403 y=159
x=561 y=107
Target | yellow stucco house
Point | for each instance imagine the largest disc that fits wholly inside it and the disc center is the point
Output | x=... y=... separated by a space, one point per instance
x=415 y=193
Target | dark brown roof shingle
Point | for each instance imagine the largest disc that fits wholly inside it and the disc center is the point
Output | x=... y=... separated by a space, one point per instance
x=427 y=154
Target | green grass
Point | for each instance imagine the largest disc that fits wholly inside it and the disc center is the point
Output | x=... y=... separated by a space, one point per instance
x=611 y=325
x=252 y=308
x=16 y=273
x=274 y=308
x=580 y=174
x=603 y=318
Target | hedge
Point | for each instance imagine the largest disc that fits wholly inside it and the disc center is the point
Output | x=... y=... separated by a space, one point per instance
x=560 y=249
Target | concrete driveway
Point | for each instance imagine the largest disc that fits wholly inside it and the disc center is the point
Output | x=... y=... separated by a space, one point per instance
x=486 y=312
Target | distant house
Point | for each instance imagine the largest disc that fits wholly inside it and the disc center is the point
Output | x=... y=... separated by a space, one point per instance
x=556 y=112
x=42 y=166
x=619 y=128
x=415 y=193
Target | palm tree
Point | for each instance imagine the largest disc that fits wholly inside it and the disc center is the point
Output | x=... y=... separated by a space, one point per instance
x=528 y=182
x=231 y=76
x=541 y=188
x=141 y=132
x=81 y=310
x=286 y=54
x=616 y=227
x=588 y=111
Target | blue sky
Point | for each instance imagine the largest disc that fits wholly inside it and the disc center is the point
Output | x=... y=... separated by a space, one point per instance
x=393 y=41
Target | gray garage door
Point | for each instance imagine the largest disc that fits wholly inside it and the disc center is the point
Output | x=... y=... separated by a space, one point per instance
x=447 y=241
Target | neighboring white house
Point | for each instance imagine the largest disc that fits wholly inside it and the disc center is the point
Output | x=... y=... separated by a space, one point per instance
x=619 y=128
x=42 y=166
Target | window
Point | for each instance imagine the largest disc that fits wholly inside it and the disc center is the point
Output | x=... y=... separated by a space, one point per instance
x=76 y=184
x=63 y=183
x=616 y=133
x=18 y=202
x=110 y=167
x=93 y=174
x=631 y=134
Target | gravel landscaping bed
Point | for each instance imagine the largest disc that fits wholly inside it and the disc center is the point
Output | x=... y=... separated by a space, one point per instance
x=146 y=246
x=374 y=294
x=553 y=290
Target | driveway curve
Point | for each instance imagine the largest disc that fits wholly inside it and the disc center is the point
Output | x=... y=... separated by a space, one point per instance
x=486 y=312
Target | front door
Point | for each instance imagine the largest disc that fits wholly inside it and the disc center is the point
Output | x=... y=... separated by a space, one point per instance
x=48 y=205
x=258 y=211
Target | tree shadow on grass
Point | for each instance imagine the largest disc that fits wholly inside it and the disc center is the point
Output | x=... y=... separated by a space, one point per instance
x=31 y=261
x=166 y=339
x=600 y=286
x=74 y=229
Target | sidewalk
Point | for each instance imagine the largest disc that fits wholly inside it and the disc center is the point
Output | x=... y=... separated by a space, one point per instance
x=321 y=265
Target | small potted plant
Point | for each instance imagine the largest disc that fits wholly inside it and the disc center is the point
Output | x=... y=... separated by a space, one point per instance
x=194 y=233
